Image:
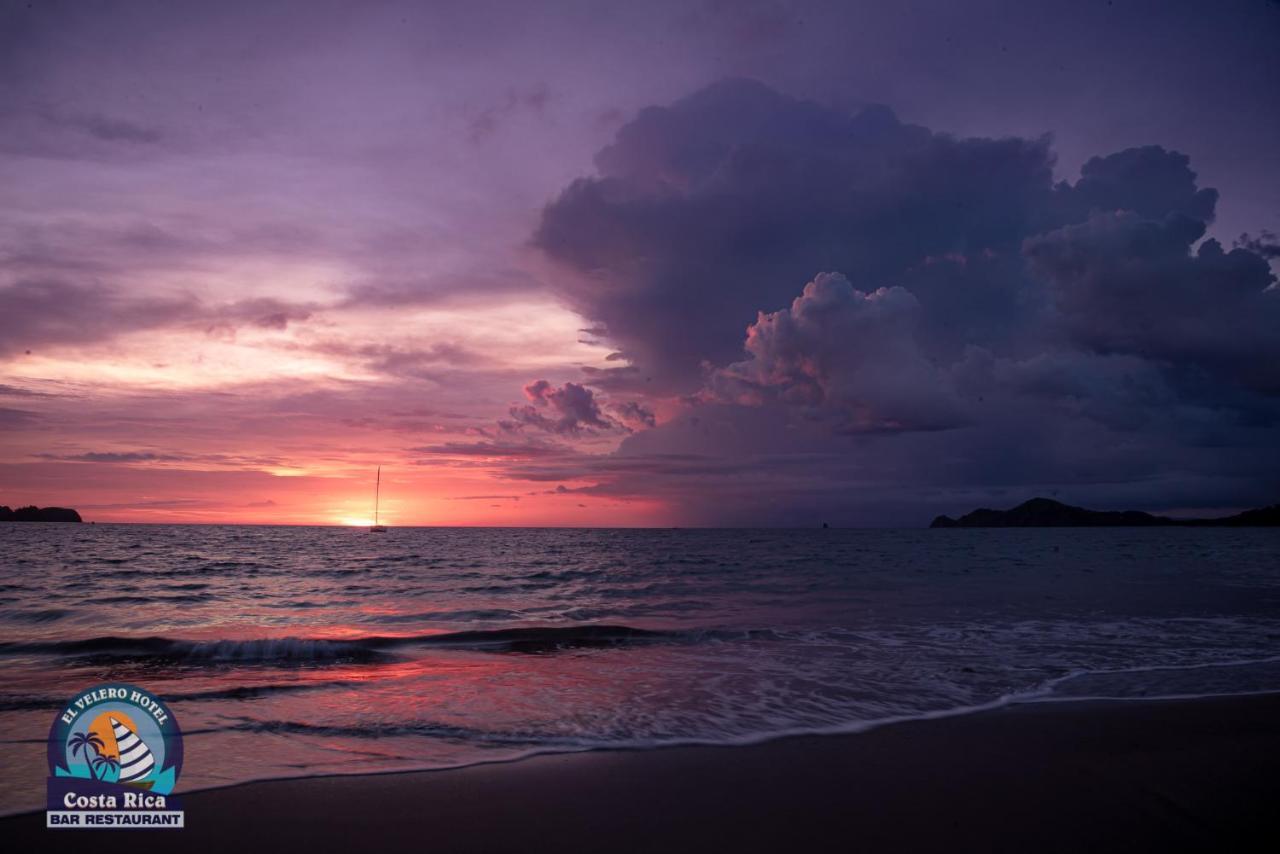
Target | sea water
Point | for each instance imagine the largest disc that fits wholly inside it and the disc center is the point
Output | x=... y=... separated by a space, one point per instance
x=294 y=651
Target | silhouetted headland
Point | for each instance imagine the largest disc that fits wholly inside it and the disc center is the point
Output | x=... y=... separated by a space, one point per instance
x=39 y=514
x=1047 y=513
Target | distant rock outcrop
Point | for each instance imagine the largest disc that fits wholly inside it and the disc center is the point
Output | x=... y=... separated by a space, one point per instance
x=1263 y=517
x=39 y=514
x=1047 y=513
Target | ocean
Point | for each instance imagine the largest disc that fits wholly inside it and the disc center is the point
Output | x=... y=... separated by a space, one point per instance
x=294 y=651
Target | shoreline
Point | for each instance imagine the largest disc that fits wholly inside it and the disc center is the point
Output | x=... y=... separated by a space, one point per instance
x=839 y=731
x=1168 y=774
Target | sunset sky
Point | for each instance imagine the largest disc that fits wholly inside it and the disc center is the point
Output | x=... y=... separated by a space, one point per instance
x=655 y=263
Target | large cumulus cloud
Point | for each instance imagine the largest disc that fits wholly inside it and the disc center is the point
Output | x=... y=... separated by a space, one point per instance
x=709 y=210
x=1126 y=284
x=980 y=328
x=846 y=355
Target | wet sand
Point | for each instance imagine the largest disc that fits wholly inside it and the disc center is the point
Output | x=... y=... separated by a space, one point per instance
x=1193 y=775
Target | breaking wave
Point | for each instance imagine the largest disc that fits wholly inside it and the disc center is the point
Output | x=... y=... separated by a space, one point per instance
x=292 y=649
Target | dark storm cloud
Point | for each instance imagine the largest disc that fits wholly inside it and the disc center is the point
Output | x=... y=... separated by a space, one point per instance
x=570 y=410
x=1265 y=244
x=1148 y=181
x=1127 y=284
x=980 y=326
x=702 y=210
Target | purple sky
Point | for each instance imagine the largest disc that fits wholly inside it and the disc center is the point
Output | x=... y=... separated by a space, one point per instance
x=624 y=263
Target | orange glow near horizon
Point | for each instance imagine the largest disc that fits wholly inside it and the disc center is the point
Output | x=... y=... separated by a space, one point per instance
x=418 y=496
x=288 y=425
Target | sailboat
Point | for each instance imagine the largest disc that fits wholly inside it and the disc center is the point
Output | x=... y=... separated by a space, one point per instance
x=377 y=490
x=136 y=761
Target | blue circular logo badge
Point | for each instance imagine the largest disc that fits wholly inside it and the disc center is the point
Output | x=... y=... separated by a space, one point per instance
x=120 y=735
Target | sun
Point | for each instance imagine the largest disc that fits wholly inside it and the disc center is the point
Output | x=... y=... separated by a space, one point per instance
x=354 y=522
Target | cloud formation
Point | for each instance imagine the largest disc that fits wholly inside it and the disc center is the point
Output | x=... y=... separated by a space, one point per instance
x=844 y=354
x=570 y=409
x=118 y=457
x=50 y=311
x=1125 y=284
x=41 y=313
x=701 y=211
x=980 y=328
x=633 y=414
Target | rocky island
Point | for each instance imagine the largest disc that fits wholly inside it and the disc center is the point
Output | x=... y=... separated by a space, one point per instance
x=39 y=514
x=1047 y=513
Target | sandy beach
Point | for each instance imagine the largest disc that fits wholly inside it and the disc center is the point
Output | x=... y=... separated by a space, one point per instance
x=1194 y=775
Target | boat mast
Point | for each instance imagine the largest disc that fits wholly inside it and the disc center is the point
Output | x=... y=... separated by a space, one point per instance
x=377 y=491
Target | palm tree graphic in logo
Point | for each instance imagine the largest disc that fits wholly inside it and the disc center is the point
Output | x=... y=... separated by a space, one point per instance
x=105 y=764
x=84 y=742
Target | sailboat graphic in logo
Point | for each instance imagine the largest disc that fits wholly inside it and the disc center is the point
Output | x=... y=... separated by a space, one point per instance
x=135 y=760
